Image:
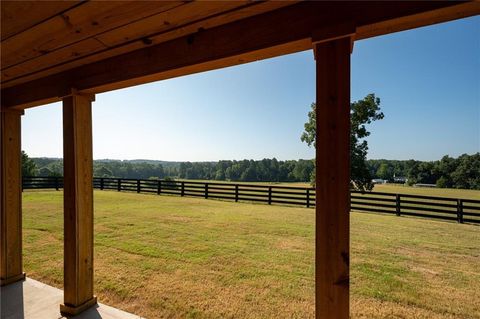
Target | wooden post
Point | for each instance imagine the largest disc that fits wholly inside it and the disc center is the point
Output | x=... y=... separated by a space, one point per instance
x=159 y=188
x=102 y=183
x=119 y=184
x=308 y=197
x=332 y=236
x=206 y=190
x=236 y=192
x=78 y=204
x=182 y=189
x=270 y=195
x=11 y=266
x=138 y=186
x=460 y=211
x=397 y=205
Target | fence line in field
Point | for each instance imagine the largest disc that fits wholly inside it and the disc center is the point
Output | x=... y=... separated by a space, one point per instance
x=454 y=209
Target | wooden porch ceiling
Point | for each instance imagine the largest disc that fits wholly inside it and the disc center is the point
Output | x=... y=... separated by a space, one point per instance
x=50 y=47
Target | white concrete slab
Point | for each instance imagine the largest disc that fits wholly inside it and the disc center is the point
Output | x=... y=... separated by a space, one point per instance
x=31 y=299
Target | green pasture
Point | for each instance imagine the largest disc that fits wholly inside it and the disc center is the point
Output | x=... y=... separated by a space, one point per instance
x=181 y=257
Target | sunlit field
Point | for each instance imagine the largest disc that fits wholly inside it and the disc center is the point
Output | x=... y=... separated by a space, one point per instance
x=180 y=257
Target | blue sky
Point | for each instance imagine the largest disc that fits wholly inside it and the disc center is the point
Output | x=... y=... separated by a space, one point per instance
x=428 y=80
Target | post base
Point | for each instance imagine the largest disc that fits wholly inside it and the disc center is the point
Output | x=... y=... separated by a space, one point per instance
x=69 y=310
x=10 y=280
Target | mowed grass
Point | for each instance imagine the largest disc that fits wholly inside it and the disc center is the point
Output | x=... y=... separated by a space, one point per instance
x=426 y=191
x=174 y=257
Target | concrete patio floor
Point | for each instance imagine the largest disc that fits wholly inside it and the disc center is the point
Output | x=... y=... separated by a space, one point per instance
x=31 y=299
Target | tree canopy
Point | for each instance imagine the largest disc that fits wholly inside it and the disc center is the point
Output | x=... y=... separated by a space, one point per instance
x=448 y=172
x=362 y=112
x=29 y=168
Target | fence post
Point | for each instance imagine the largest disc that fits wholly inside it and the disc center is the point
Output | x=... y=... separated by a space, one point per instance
x=308 y=197
x=183 y=189
x=138 y=186
x=397 y=205
x=119 y=184
x=236 y=192
x=460 y=211
x=206 y=190
x=159 y=188
x=56 y=183
x=269 y=195
x=102 y=183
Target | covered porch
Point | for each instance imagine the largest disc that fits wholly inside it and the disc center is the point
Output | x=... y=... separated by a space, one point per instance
x=98 y=47
x=32 y=299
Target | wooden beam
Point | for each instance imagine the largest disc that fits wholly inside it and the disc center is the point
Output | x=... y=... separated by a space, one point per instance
x=332 y=179
x=421 y=19
x=11 y=266
x=78 y=204
x=275 y=33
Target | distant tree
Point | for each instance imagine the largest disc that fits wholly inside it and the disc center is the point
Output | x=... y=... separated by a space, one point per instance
x=362 y=112
x=220 y=175
x=56 y=169
x=467 y=173
x=385 y=172
x=442 y=182
x=249 y=175
x=302 y=170
x=102 y=171
x=45 y=171
x=29 y=168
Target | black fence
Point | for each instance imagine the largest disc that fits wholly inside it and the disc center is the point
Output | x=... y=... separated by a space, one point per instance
x=454 y=209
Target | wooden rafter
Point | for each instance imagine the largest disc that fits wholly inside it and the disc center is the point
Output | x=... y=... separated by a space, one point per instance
x=274 y=33
x=271 y=34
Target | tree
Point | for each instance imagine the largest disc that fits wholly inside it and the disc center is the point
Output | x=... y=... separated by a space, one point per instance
x=102 y=171
x=45 y=171
x=362 y=112
x=385 y=172
x=29 y=168
x=467 y=173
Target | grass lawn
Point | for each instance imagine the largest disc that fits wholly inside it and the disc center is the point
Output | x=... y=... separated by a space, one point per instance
x=173 y=257
x=441 y=192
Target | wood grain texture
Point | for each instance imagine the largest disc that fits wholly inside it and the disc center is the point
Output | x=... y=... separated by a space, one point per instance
x=421 y=19
x=74 y=25
x=78 y=200
x=278 y=32
x=31 y=13
x=11 y=197
x=167 y=25
x=332 y=225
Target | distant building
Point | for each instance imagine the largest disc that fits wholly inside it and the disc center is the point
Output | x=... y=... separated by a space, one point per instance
x=379 y=181
x=400 y=180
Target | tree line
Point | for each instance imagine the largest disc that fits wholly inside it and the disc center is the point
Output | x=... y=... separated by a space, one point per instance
x=271 y=170
x=461 y=172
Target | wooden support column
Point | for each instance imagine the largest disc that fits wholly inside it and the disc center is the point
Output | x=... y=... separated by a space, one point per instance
x=332 y=178
x=11 y=266
x=78 y=204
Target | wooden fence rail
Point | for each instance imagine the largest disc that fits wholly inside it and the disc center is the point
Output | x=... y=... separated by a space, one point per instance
x=454 y=209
